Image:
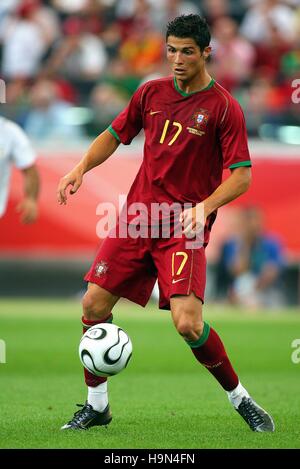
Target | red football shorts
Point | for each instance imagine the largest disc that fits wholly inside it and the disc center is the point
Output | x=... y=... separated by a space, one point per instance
x=129 y=268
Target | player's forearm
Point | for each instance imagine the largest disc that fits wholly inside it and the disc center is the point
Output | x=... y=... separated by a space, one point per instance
x=237 y=183
x=31 y=183
x=99 y=151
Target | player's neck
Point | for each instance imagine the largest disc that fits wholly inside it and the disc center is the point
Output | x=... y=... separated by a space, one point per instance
x=199 y=83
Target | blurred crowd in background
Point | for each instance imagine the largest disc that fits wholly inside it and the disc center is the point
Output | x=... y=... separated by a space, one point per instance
x=71 y=65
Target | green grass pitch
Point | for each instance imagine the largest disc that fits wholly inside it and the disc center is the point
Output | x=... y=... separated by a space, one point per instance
x=164 y=399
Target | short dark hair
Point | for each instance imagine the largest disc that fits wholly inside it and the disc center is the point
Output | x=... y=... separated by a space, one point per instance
x=193 y=26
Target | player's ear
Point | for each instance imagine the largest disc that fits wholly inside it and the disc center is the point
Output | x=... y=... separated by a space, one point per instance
x=206 y=52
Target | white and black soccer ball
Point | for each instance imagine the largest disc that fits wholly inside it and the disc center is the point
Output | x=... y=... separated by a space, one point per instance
x=105 y=349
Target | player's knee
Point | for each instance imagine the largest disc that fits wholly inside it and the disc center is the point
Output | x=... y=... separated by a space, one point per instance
x=189 y=329
x=95 y=306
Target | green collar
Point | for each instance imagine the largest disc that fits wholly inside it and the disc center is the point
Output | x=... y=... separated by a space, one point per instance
x=211 y=83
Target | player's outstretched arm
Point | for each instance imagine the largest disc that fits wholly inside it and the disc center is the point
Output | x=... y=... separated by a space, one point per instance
x=101 y=149
x=234 y=186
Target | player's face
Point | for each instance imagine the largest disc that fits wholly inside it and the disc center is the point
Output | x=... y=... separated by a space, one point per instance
x=185 y=57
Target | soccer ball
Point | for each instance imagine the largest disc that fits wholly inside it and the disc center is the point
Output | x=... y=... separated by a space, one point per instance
x=105 y=349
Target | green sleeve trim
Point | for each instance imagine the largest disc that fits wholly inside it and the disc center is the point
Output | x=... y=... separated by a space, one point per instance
x=202 y=339
x=242 y=163
x=114 y=133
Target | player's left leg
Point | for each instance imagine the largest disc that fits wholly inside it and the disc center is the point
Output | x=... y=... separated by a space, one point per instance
x=209 y=350
x=122 y=268
x=181 y=270
x=205 y=343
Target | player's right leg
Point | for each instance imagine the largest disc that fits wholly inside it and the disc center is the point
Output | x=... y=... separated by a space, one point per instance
x=209 y=350
x=122 y=268
x=97 y=305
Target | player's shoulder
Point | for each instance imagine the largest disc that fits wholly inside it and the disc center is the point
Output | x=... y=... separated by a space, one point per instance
x=225 y=96
x=156 y=83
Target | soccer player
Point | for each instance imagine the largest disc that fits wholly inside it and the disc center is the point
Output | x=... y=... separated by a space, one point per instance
x=16 y=149
x=193 y=129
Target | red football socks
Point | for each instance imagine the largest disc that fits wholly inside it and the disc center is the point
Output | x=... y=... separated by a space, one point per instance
x=210 y=352
x=90 y=379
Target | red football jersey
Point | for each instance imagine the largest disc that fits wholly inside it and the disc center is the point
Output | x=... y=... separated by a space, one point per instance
x=189 y=139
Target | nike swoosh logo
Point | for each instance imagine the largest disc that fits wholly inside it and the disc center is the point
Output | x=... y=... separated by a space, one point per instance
x=154 y=112
x=179 y=280
x=85 y=424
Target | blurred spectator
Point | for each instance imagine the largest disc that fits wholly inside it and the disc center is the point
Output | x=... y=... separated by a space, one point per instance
x=251 y=264
x=233 y=55
x=142 y=50
x=142 y=45
x=163 y=11
x=24 y=42
x=265 y=102
x=7 y=7
x=175 y=8
x=111 y=37
x=48 y=21
x=80 y=56
x=266 y=14
x=216 y=9
x=16 y=150
x=269 y=54
x=49 y=116
x=254 y=101
x=132 y=15
x=106 y=102
x=297 y=17
x=290 y=60
x=120 y=74
x=69 y=6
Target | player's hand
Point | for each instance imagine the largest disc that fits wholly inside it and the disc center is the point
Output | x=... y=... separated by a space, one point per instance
x=28 y=209
x=193 y=220
x=74 y=179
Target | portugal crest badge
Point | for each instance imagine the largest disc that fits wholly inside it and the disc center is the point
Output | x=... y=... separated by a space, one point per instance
x=101 y=268
x=200 y=119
